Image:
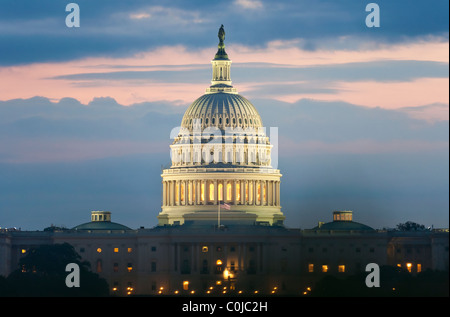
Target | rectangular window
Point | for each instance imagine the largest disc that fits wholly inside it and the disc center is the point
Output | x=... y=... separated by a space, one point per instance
x=409 y=266
x=264 y=192
x=130 y=250
x=116 y=267
x=153 y=267
x=220 y=190
x=238 y=191
x=310 y=268
x=246 y=192
x=99 y=266
x=419 y=268
x=116 y=250
x=258 y=192
x=229 y=196
x=202 y=192
x=129 y=267
x=324 y=268
x=211 y=192
x=182 y=191
x=341 y=268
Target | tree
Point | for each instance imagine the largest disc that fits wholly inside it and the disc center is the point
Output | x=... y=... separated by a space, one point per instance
x=410 y=226
x=42 y=272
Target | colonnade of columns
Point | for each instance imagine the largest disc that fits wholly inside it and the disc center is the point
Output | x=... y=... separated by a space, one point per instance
x=214 y=191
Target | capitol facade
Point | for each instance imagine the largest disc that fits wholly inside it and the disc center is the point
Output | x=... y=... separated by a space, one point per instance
x=220 y=229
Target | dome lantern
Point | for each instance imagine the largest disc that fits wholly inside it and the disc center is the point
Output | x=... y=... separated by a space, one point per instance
x=221 y=66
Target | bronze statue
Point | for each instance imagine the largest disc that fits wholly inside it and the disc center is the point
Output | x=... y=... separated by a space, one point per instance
x=221 y=34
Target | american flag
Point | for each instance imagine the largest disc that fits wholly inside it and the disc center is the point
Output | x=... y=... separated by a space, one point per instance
x=225 y=206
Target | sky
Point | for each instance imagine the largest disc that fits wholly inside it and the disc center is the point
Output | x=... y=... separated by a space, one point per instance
x=362 y=112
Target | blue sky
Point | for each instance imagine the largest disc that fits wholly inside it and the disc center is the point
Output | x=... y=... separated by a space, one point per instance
x=86 y=113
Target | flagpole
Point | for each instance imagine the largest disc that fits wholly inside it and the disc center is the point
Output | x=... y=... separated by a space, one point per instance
x=218 y=216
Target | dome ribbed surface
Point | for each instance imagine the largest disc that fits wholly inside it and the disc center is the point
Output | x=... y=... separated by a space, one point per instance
x=222 y=110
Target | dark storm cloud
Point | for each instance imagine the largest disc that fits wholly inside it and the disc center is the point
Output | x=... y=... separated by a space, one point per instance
x=34 y=31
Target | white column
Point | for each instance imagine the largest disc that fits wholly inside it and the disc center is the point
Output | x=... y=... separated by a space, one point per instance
x=216 y=191
x=198 y=189
x=179 y=193
x=164 y=193
x=242 y=187
x=278 y=194
x=233 y=193
x=254 y=192
x=185 y=193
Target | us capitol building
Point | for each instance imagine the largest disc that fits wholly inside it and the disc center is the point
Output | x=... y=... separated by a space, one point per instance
x=220 y=229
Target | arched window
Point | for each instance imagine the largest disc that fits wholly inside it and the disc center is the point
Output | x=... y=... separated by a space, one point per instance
x=229 y=187
x=219 y=267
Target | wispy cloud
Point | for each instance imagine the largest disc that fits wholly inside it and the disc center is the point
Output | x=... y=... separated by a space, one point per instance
x=249 y=4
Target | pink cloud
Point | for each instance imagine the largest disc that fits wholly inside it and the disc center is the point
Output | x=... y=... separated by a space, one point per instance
x=39 y=79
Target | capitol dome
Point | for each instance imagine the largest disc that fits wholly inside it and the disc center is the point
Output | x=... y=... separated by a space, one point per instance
x=222 y=110
x=221 y=156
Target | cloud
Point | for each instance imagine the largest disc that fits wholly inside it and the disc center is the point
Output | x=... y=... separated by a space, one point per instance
x=249 y=4
x=117 y=29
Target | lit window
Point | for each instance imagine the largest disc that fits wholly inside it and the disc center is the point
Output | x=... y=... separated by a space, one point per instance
x=185 y=285
x=220 y=189
x=409 y=266
x=129 y=267
x=264 y=193
x=258 y=192
x=341 y=268
x=324 y=268
x=99 y=250
x=202 y=192
x=182 y=191
x=24 y=251
x=116 y=250
x=310 y=268
x=219 y=262
x=229 y=188
x=419 y=268
x=211 y=191
x=130 y=250
x=246 y=192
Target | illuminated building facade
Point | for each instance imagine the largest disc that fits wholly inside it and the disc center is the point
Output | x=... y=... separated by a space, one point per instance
x=221 y=155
